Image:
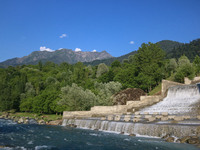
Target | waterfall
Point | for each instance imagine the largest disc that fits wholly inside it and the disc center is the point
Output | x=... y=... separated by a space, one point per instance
x=155 y=130
x=180 y=100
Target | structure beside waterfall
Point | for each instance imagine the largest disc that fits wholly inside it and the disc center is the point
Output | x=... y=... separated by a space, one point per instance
x=175 y=112
x=130 y=107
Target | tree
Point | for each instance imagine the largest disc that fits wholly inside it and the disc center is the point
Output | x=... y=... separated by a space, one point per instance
x=172 y=65
x=76 y=98
x=185 y=69
x=148 y=62
x=196 y=64
x=105 y=91
x=102 y=68
x=115 y=63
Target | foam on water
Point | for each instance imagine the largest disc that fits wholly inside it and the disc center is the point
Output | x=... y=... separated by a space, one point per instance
x=180 y=100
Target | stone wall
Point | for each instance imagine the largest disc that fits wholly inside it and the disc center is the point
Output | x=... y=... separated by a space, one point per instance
x=109 y=109
x=187 y=81
x=130 y=106
x=144 y=101
x=77 y=114
x=166 y=85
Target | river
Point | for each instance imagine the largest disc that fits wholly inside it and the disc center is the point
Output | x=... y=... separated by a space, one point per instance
x=41 y=137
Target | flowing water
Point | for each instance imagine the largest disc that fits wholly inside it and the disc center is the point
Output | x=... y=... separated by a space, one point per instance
x=141 y=129
x=42 y=137
x=184 y=99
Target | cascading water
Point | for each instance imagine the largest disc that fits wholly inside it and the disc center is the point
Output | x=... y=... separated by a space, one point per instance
x=156 y=130
x=180 y=100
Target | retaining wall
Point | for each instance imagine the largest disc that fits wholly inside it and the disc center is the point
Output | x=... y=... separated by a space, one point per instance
x=120 y=109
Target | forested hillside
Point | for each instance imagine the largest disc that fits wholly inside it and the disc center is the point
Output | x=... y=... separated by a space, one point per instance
x=172 y=49
x=189 y=49
x=52 y=88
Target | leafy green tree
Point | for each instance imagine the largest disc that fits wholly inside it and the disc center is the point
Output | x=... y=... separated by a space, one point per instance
x=105 y=91
x=76 y=98
x=148 y=63
x=107 y=77
x=115 y=63
x=172 y=65
x=102 y=68
x=185 y=69
x=196 y=64
x=127 y=77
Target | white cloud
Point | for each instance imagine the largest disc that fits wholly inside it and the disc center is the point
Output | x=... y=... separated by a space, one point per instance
x=94 y=50
x=60 y=48
x=63 y=36
x=132 y=42
x=77 y=50
x=43 y=48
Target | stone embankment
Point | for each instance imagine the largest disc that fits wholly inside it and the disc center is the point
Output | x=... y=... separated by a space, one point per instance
x=28 y=120
x=186 y=139
x=155 y=117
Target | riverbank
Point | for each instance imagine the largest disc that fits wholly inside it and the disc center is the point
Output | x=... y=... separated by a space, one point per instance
x=26 y=118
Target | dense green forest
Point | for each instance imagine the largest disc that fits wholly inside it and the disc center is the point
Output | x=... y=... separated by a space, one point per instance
x=188 y=49
x=53 y=88
x=172 y=49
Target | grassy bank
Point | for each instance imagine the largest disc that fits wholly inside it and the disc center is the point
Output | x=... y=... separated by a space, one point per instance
x=45 y=117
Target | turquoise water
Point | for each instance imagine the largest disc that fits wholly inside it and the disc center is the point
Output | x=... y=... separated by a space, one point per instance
x=42 y=137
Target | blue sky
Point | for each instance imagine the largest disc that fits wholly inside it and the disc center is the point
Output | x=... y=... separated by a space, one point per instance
x=117 y=26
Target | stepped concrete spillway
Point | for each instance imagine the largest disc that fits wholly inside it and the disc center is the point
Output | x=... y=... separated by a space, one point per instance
x=180 y=100
x=142 y=129
x=176 y=112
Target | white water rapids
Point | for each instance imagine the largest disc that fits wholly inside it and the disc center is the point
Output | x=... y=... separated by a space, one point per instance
x=180 y=100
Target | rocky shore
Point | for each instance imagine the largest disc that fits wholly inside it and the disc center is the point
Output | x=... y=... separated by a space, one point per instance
x=28 y=120
x=186 y=139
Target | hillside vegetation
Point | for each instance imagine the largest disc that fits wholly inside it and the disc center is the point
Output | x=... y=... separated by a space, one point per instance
x=52 y=88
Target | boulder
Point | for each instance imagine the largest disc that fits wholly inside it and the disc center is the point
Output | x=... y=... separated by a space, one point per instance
x=155 y=113
x=170 y=139
x=137 y=116
x=164 y=118
x=158 y=116
x=127 y=118
x=103 y=118
x=21 y=120
x=193 y=141
x=186 y=117
x=110 y=117
x=166 y=136
x=178 y=118
x=150 y=119
x=117 y=117
x=132 y=135
x=72 y=125
x=136 y=119
x=185 y=139
x=26 y=121
x=171 y=117
x=41 y=122
x=55 y=122
x=147 y=116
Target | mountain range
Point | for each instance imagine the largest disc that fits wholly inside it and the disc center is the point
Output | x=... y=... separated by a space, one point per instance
x=173 y=49
x=58 y=56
